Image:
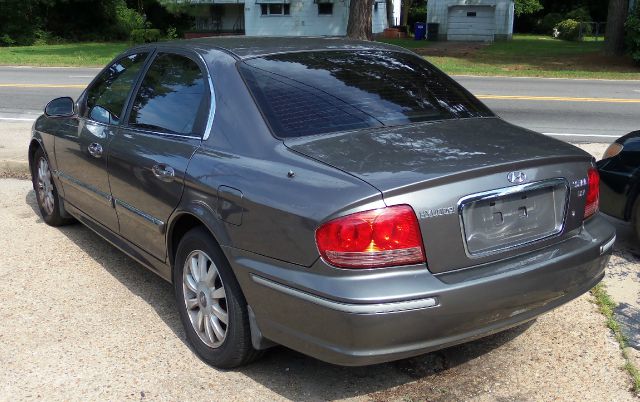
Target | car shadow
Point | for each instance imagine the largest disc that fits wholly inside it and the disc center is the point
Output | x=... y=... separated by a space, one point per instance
x=290 y=374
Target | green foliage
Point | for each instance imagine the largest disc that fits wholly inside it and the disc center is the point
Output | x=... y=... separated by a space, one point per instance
x=523 y=7
x=580 y=14
x=127 y=20
x=172 y=33
x=417 y=14
x=549 y=22
x=42 y=37
x=145 y=35
x=607 y=306
x=5 y=40
x=632 y=30
x=569 y=30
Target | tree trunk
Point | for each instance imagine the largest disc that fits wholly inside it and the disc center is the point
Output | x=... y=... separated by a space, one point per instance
x=406 y=6
x=359 y=25
x=614 y=37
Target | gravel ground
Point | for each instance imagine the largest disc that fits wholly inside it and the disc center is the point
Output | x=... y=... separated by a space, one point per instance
x=85 y=322
x=14 y=142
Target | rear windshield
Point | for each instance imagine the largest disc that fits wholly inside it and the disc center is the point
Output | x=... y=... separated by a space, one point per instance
x=311 y=93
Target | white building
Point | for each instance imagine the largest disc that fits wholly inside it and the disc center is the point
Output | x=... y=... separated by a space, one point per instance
x=278 y=17
x=472 y=20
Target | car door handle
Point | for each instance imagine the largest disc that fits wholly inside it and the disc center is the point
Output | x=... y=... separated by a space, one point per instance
x=163 y=172
x=95 y=150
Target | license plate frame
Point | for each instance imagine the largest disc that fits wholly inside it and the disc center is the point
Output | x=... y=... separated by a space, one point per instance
x=494 y=221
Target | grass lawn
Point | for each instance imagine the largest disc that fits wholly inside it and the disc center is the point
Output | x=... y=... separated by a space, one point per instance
x=74 y=54
x=525 y=55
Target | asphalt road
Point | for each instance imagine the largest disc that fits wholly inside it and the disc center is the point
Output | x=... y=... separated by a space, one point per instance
x=573 y=110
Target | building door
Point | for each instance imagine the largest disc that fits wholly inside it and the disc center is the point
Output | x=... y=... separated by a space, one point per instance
x=471 y=23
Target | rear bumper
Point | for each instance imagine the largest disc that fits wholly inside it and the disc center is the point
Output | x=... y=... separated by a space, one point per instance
x=315 y=314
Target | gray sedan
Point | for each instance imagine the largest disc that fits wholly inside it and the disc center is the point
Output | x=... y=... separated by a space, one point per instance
x=345 y=199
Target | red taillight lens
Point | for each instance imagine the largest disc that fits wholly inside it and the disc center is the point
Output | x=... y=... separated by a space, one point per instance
x=593 y=193
x=372 y=239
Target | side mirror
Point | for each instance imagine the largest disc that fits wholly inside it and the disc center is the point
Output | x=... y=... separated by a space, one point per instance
x=60 y=107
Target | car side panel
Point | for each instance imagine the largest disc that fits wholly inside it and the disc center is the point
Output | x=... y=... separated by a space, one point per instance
x=620 y=178
x=279 y=212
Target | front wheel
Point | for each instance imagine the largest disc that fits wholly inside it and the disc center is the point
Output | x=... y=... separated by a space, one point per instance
x=46 y=192
x=212 y=307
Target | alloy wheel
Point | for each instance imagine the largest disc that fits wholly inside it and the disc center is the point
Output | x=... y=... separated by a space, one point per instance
x=205 y=298
x=45 y=186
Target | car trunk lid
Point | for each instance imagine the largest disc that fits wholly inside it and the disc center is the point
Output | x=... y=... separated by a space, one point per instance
x=459 y=177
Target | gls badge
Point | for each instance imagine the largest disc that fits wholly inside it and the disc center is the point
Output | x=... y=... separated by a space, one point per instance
x=517 y=177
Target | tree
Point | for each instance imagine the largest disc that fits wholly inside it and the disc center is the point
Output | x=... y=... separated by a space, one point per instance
x=524 y=7
x=359 y=24
x=614 y=37
x=406 y=7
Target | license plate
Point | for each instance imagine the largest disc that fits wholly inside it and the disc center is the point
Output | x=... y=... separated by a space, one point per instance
x=513 y=216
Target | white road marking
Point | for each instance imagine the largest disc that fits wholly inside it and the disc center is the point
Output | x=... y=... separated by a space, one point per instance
x=544 y=78
x=17 y=119
x=582 y=135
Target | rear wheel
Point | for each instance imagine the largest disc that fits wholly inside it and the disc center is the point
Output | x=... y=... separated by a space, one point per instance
x=212 y=307
x=46 y=192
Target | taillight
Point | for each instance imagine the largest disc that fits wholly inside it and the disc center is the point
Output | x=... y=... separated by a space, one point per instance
x=372 y=239
x=593 y=193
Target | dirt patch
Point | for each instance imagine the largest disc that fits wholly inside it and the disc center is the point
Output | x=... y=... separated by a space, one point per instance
x=451 y=49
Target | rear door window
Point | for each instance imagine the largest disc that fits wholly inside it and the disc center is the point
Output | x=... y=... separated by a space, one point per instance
x=309 y=93
x=171 y=97
x=106 y=98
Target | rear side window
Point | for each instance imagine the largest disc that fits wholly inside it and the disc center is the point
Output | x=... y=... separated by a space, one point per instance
x=106 y=98
x=310 y=93
x=170 y=97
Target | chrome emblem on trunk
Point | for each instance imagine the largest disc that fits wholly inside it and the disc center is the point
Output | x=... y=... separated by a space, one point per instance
x=517 y=177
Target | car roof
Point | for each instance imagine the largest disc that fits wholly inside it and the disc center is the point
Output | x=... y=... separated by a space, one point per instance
x=244 y=47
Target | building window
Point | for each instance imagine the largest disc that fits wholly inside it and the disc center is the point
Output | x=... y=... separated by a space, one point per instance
x=325 y=8
x=275 y=9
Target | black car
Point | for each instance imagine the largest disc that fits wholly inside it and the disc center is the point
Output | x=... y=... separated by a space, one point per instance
x=345 y=199
x=620 y=179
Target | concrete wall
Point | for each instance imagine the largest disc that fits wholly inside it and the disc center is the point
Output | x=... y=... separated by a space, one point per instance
x=438 y=12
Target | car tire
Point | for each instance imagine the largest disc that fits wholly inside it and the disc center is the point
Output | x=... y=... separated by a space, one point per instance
x=207 y=293
x=46 y=191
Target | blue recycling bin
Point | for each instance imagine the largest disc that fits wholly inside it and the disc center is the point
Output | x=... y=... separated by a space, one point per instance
x=420 y=31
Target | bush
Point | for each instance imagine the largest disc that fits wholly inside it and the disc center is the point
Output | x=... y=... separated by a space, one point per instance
x=145 y=35
x=569 y=30
x=42 y=37
x=5 y=40
x=127 y=20
x=632 y=27
x=580 y=14
x=172 y=33
x=550 y=21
